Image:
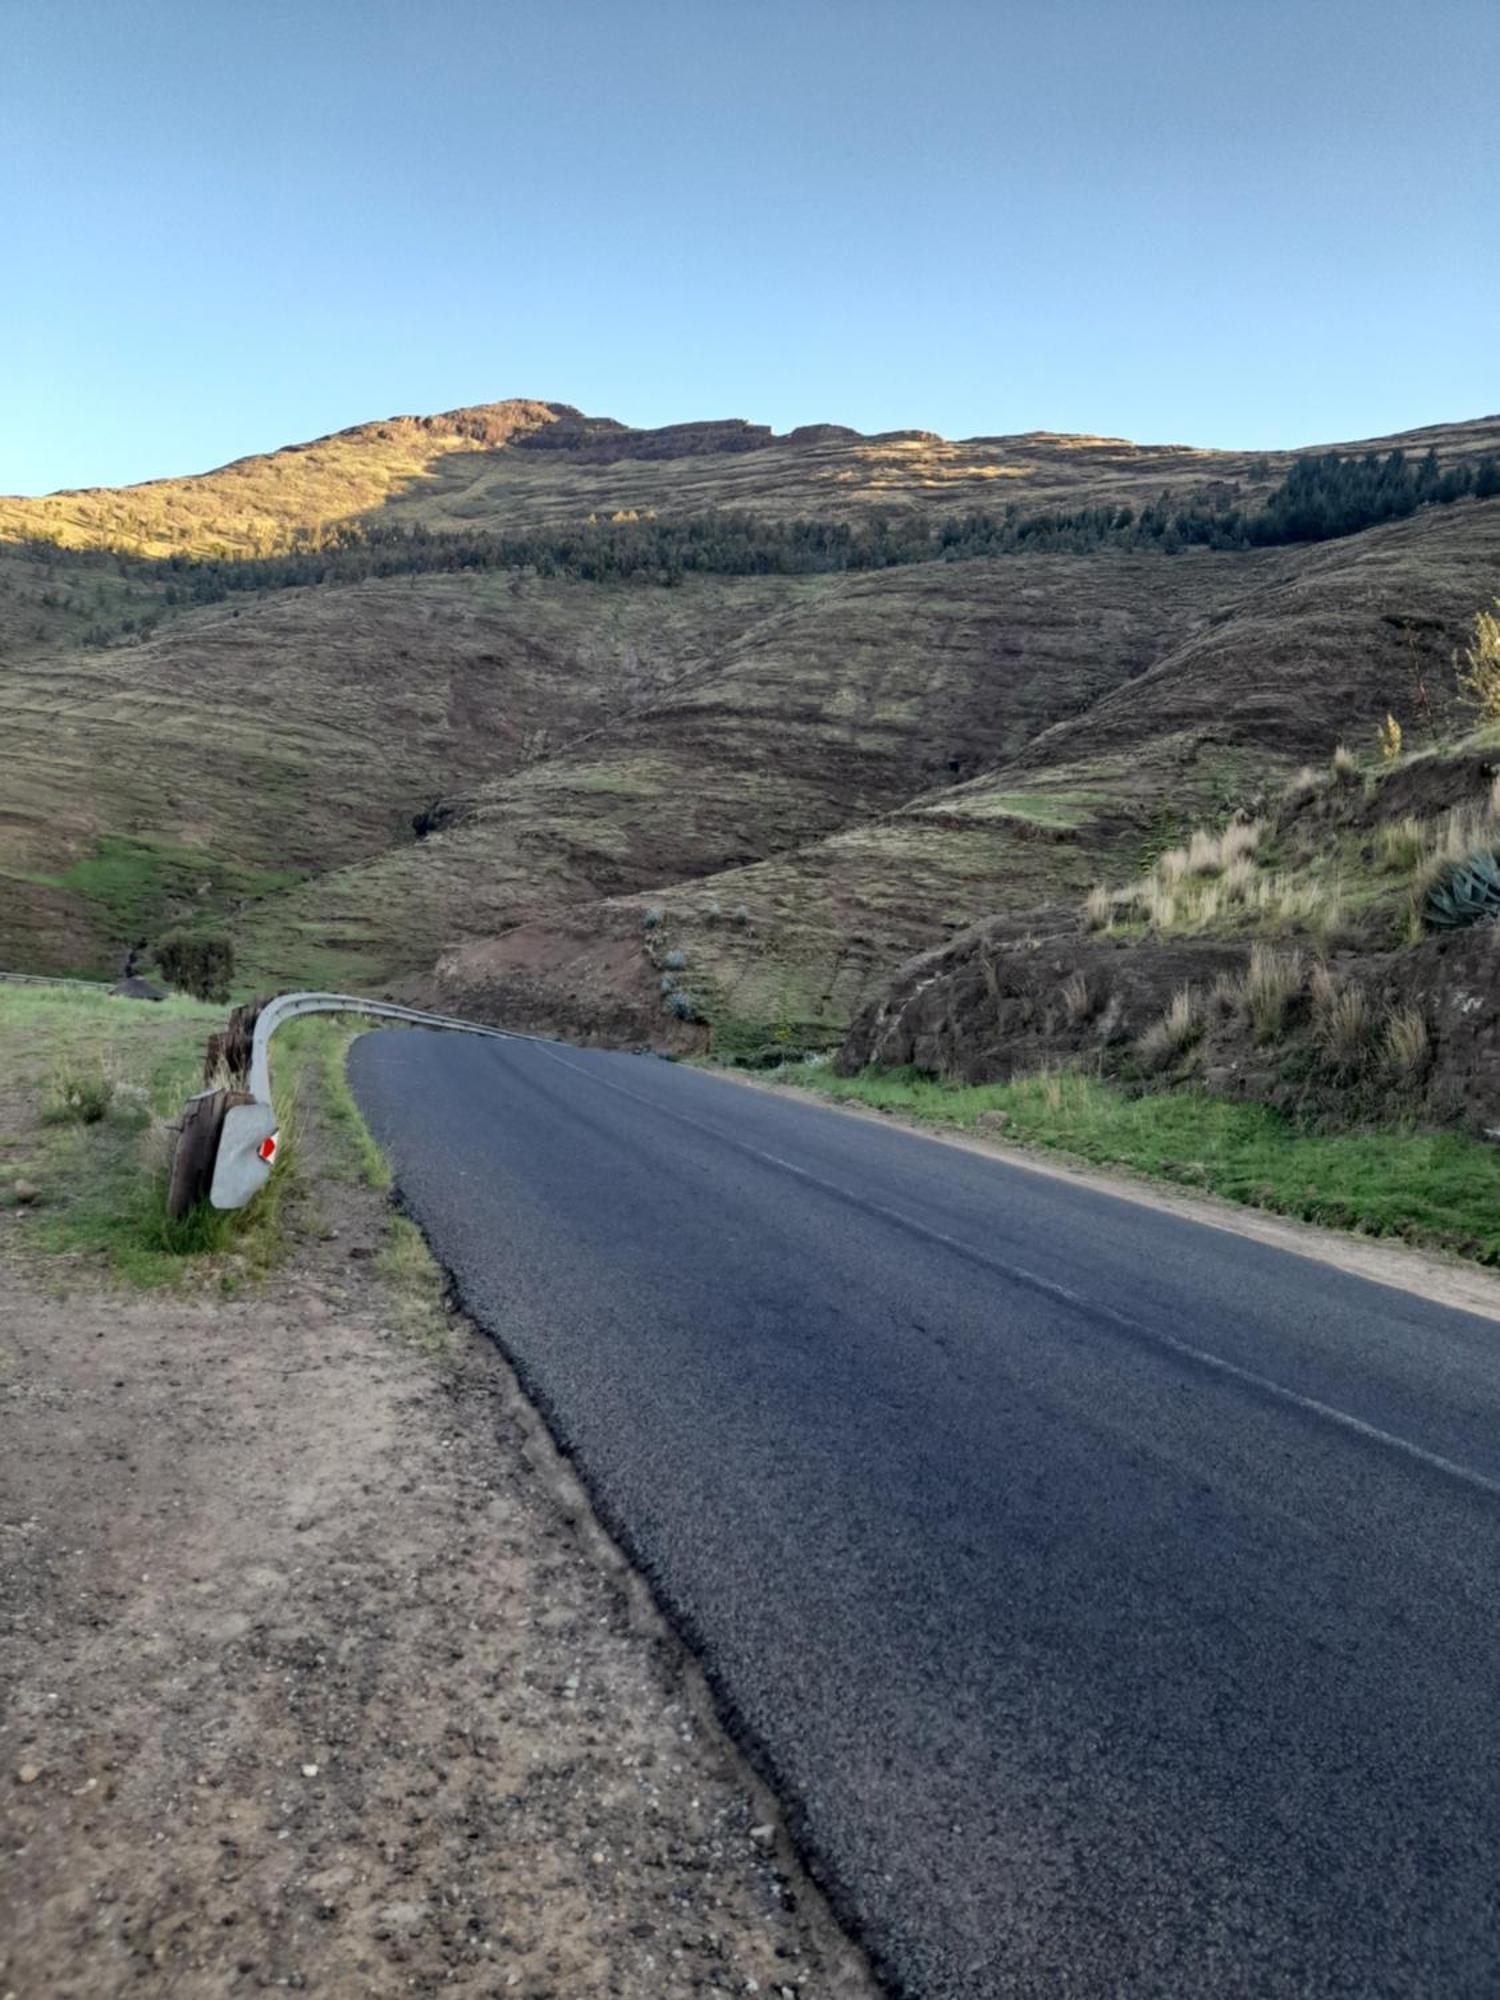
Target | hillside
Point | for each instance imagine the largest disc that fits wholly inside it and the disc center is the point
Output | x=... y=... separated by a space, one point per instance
x=532 y=784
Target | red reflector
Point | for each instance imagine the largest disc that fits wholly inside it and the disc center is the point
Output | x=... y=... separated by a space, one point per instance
x=267 y=1147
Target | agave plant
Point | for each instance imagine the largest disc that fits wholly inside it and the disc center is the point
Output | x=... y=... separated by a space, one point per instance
x=1467 y=892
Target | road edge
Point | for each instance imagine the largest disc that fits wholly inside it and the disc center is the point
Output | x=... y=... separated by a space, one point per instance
x=1403 y=1267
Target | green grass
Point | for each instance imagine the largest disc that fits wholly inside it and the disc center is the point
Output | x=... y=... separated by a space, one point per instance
x=100 y=1182
x=139 y=885
x=309 y=1061
x=313 y=1050
x=1049 y=809
x=1438 y=1189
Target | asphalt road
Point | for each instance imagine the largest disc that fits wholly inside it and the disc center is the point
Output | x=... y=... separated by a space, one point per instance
x=1112 y=1599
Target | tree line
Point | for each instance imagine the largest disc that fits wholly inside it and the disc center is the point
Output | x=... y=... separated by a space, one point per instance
x=1323 y=495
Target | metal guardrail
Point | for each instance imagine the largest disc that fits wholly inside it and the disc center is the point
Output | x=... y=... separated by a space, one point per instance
x=51 y=979
x=227 y=1148
x=245 y=1143
x=290 y=1005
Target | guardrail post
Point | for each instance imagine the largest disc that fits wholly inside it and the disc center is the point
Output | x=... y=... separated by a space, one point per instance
x=197 y=1149
x=227 y=1140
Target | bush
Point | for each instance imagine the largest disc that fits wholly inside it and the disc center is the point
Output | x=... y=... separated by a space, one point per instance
x=1479 y=677
x=78 y=1096
x=675 y=960
x=197 y=962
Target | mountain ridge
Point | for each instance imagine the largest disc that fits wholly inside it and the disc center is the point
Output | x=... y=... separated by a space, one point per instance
x=371 y=781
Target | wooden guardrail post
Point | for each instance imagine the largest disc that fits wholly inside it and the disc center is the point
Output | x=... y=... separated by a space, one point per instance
x=198 y=1148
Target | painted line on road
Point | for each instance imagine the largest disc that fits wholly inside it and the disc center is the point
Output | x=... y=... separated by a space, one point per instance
x=1168 y=1343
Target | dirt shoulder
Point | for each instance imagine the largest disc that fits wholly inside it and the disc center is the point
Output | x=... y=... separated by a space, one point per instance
x=318 y=1674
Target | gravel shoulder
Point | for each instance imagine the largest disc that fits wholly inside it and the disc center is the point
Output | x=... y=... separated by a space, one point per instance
x=316 y=1671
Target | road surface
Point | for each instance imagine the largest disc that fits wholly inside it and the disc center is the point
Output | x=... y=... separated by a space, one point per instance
x=1112 y=1599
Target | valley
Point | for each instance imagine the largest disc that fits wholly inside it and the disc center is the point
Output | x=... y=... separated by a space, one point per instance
x=705 y=809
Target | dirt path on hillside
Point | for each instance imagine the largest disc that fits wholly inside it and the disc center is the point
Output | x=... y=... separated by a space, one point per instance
x=317 y=1673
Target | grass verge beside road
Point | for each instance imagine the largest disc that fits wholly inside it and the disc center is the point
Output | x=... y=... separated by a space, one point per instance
x=1440 y=1190
x=91 y=1088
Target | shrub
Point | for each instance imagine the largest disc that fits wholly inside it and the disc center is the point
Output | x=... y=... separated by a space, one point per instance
x=1272 y=982
x=1464 y=892
x=1405 y=1047
x=78 y=1096
x=1479 y=677
x=684 y=1007
x=197 y=962
x=1344 y=765
x=740 y=914
x=1177 y=1030
x=650 y=917
x=675 y=960
x=1388 y=740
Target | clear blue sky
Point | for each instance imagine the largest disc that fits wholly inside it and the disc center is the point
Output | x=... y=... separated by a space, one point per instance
x=230 y=224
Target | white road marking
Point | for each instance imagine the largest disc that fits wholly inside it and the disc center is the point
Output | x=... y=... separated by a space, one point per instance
x=1278 y=1392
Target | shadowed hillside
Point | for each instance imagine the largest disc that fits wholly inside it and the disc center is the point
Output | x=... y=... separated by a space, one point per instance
x=552 y=784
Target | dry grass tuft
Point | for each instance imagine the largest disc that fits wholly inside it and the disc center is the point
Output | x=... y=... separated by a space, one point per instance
x=1400 y=843
x=1344 y=765
x=1098 y=908
x=1077 y=998
x=1405 y=1047
x=1179 y=1027
x=1225 y=996
x=1306 y=782
x=1203 y=854
x=1272 y=982
x=1238 y=841
x=1344 y=1026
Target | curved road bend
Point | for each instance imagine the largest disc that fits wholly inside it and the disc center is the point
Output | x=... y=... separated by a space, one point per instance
x=1112 y=1599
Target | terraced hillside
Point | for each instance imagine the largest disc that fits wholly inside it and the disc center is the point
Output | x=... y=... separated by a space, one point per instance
x=649 y=806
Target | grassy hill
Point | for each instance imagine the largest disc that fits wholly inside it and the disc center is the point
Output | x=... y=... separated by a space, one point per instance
x=529 y=791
